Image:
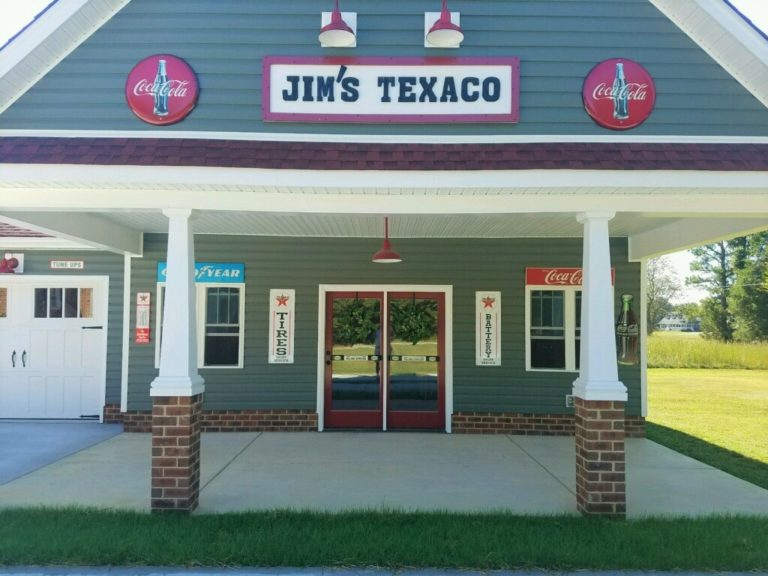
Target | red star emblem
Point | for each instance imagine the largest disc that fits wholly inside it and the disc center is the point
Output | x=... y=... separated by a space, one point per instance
x=488 y=302
x=282 y=300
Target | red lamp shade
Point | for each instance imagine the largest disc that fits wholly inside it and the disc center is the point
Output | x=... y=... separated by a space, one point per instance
x=444 y=33
x=336 y=34
x=386 y=255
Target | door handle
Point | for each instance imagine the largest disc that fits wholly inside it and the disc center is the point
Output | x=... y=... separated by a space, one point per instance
x=13 y=359
x=92 y=327
x=327 y=358
x=24 y=359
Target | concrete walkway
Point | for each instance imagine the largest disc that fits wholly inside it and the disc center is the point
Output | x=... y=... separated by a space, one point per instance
x=408 y=471
x=27 y=445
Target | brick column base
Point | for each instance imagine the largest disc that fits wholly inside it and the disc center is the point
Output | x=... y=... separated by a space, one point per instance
x=176 y=452
x=600 y=458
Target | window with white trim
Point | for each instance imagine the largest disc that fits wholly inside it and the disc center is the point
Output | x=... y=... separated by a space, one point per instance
x=220 y=324
x=553 y=327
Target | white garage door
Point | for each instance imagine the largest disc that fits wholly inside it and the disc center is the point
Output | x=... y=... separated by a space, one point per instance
x=53 y=335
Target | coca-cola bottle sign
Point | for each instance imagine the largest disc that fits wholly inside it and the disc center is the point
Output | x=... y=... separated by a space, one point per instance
x=161 y=89
x=619 y=94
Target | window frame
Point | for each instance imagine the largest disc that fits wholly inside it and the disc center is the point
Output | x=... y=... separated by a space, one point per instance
x=569 y=325
x=201 y=293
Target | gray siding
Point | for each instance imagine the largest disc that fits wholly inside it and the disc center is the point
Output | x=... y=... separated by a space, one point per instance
x=96 y=264
x=557 y=41
x=303 y=264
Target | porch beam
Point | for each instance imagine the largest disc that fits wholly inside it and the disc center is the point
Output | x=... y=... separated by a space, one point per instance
x=689 y=233
x=88 y=229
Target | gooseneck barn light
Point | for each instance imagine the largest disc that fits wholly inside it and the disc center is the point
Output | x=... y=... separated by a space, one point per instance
x=337 y=33
x=444 y=33
x=386 y=255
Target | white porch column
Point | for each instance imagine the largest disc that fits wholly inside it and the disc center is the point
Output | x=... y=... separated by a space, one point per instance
x=177 y=392
x=178 y=350
x=599 y=396
x=598 y=375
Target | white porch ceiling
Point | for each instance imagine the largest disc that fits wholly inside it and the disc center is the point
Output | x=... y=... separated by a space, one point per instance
x=371 y=225
x=110 y=207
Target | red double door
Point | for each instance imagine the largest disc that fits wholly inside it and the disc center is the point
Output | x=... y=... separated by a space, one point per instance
x=385 y=360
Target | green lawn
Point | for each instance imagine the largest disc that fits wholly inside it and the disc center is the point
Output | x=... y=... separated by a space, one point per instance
x=717 y=416
x=691 y=350
x=386 y=539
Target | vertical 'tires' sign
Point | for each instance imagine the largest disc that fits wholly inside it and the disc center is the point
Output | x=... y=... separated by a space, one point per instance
x=488 y=337
x=281 y=325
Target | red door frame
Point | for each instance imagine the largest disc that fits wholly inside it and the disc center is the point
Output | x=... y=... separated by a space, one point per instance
x=347 y=418
x=434 y=420
x=417 y=419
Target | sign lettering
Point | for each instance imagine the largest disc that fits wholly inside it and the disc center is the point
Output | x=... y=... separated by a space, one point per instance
x=557 y=276
x=282 y=307
x=386 y=90
x=488 y=337
x=211 y=272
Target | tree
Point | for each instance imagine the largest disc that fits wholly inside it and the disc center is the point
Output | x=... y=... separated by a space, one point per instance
x=715 y=273
x=662 y=286
x=749 y=297
x=734 y=272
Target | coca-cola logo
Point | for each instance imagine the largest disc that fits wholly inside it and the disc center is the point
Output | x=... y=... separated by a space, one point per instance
x=563 y=278
x=619 y=94
x=557 y=276
x=161 y=89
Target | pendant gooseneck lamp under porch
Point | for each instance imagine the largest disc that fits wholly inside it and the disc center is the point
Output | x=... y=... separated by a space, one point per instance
x=337 y=33
x=386 y=255
x=444 y=33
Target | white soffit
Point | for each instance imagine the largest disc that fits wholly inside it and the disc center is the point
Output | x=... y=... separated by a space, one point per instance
x=726 y=37
x=47 y=41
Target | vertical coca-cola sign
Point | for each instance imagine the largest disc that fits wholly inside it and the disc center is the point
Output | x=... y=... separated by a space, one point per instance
x=619 y=94
x=161 y=89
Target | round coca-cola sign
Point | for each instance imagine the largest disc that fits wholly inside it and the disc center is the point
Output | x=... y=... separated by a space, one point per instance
x=161 y=89
x=619 y=94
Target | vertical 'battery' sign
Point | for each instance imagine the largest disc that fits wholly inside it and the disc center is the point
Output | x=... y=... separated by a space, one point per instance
x=488 y=337
x=281 y=325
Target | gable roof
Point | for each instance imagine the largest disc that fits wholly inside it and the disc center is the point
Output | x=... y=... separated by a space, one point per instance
x=714 y=25
x=47 y=40
x=723 y=33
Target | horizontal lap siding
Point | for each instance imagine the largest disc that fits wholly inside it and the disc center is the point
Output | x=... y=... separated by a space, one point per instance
x=305 y=263
x=96 y=264
x=557 y=41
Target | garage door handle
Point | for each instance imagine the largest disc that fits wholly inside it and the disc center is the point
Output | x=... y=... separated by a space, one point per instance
x=92 y=327
x=24 y=359
x=13 y=359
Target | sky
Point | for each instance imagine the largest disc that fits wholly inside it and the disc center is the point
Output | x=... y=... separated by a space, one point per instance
x=15 y=14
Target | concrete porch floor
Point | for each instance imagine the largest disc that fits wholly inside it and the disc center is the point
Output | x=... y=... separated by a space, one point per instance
x=406 y=471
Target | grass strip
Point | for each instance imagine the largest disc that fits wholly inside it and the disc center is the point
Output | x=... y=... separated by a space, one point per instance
x=385 y=539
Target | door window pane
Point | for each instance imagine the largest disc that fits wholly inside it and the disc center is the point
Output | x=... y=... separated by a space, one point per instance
x=70 y=302
x=547 y=329
x=222 y=327
x=41 y=302
x=414 y=361
x=86 y=302
x=355 y=355
x=55 y=302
